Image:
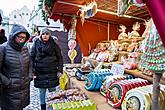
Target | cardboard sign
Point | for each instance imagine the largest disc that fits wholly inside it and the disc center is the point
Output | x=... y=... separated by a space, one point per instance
x=117 y=69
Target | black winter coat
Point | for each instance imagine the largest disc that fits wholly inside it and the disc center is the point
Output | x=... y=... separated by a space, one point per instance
x=15 y=73
x=47 y=61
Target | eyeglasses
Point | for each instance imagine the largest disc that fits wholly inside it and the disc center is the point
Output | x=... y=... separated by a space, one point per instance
x=21 y=37
x=45 y=33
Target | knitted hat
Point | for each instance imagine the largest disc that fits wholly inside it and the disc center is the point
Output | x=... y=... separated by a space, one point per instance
x=45 y=30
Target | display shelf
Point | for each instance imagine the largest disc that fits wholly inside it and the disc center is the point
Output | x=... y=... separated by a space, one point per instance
x=135 y=39
x=135 y=72
x=139 y=74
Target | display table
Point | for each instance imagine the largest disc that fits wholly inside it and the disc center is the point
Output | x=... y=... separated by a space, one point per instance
x=99 y=100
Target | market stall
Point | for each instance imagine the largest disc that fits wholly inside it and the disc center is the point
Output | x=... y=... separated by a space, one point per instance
x=101 y=30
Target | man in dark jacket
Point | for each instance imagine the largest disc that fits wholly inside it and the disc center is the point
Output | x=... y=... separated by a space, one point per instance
x=3 y=38
x=48 y=64
x=15 y=70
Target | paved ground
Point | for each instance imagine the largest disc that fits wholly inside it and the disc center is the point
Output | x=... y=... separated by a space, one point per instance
x=34 y=98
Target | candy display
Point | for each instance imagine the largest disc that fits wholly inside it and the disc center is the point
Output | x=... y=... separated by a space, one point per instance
x=81 y=74
x=132 y=47
x=124 y=46
x=110 y=79
x=77 y=105
x=154 y=56
x=118 y=89
x=94 y=79
x=71 y=99
x=141 y=98
x=94 y=54
x=129 y=63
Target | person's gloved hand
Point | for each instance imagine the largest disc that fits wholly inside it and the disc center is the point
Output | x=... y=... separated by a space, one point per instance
x=59 y=74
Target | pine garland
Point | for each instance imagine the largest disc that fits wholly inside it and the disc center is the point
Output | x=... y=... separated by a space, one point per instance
x=46 y=7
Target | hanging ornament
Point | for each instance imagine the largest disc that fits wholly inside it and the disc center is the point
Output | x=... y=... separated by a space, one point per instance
x=72 y=54
x=72 y=44
x=138 y=3
x=88 y=11
x=72 y=30
x=72 y=34
x=124 y=5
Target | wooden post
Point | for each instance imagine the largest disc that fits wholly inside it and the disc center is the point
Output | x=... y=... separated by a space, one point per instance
x=156 y=90
x=108 y=30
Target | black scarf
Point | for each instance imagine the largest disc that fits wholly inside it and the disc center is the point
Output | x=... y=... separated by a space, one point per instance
x=46 y=48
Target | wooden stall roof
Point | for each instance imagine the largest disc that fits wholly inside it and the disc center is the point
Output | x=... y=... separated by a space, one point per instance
x=95 y=29
x=107 y=10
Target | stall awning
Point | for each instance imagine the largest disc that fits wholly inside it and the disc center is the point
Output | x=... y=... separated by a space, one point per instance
x=95 y=28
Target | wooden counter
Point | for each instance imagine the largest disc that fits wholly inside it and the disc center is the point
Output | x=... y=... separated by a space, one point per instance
x=139 y=74
x=135 y=72
x=99 y=100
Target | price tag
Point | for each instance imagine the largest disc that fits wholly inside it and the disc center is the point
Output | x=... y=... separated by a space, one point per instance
x=117 y=69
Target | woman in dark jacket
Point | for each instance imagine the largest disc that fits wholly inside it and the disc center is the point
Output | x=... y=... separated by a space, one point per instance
x=48 y=64
x=15 y=70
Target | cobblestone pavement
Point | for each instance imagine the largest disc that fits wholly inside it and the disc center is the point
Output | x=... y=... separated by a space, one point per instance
x=34 y=98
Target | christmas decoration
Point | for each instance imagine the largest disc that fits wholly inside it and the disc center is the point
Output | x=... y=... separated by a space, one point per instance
x=72 y=30
x=46 y=7
x=153 y=58
x=122 y=35
x=134 y=33
x=72 y=42
x=123 y=5
x=89 y=10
